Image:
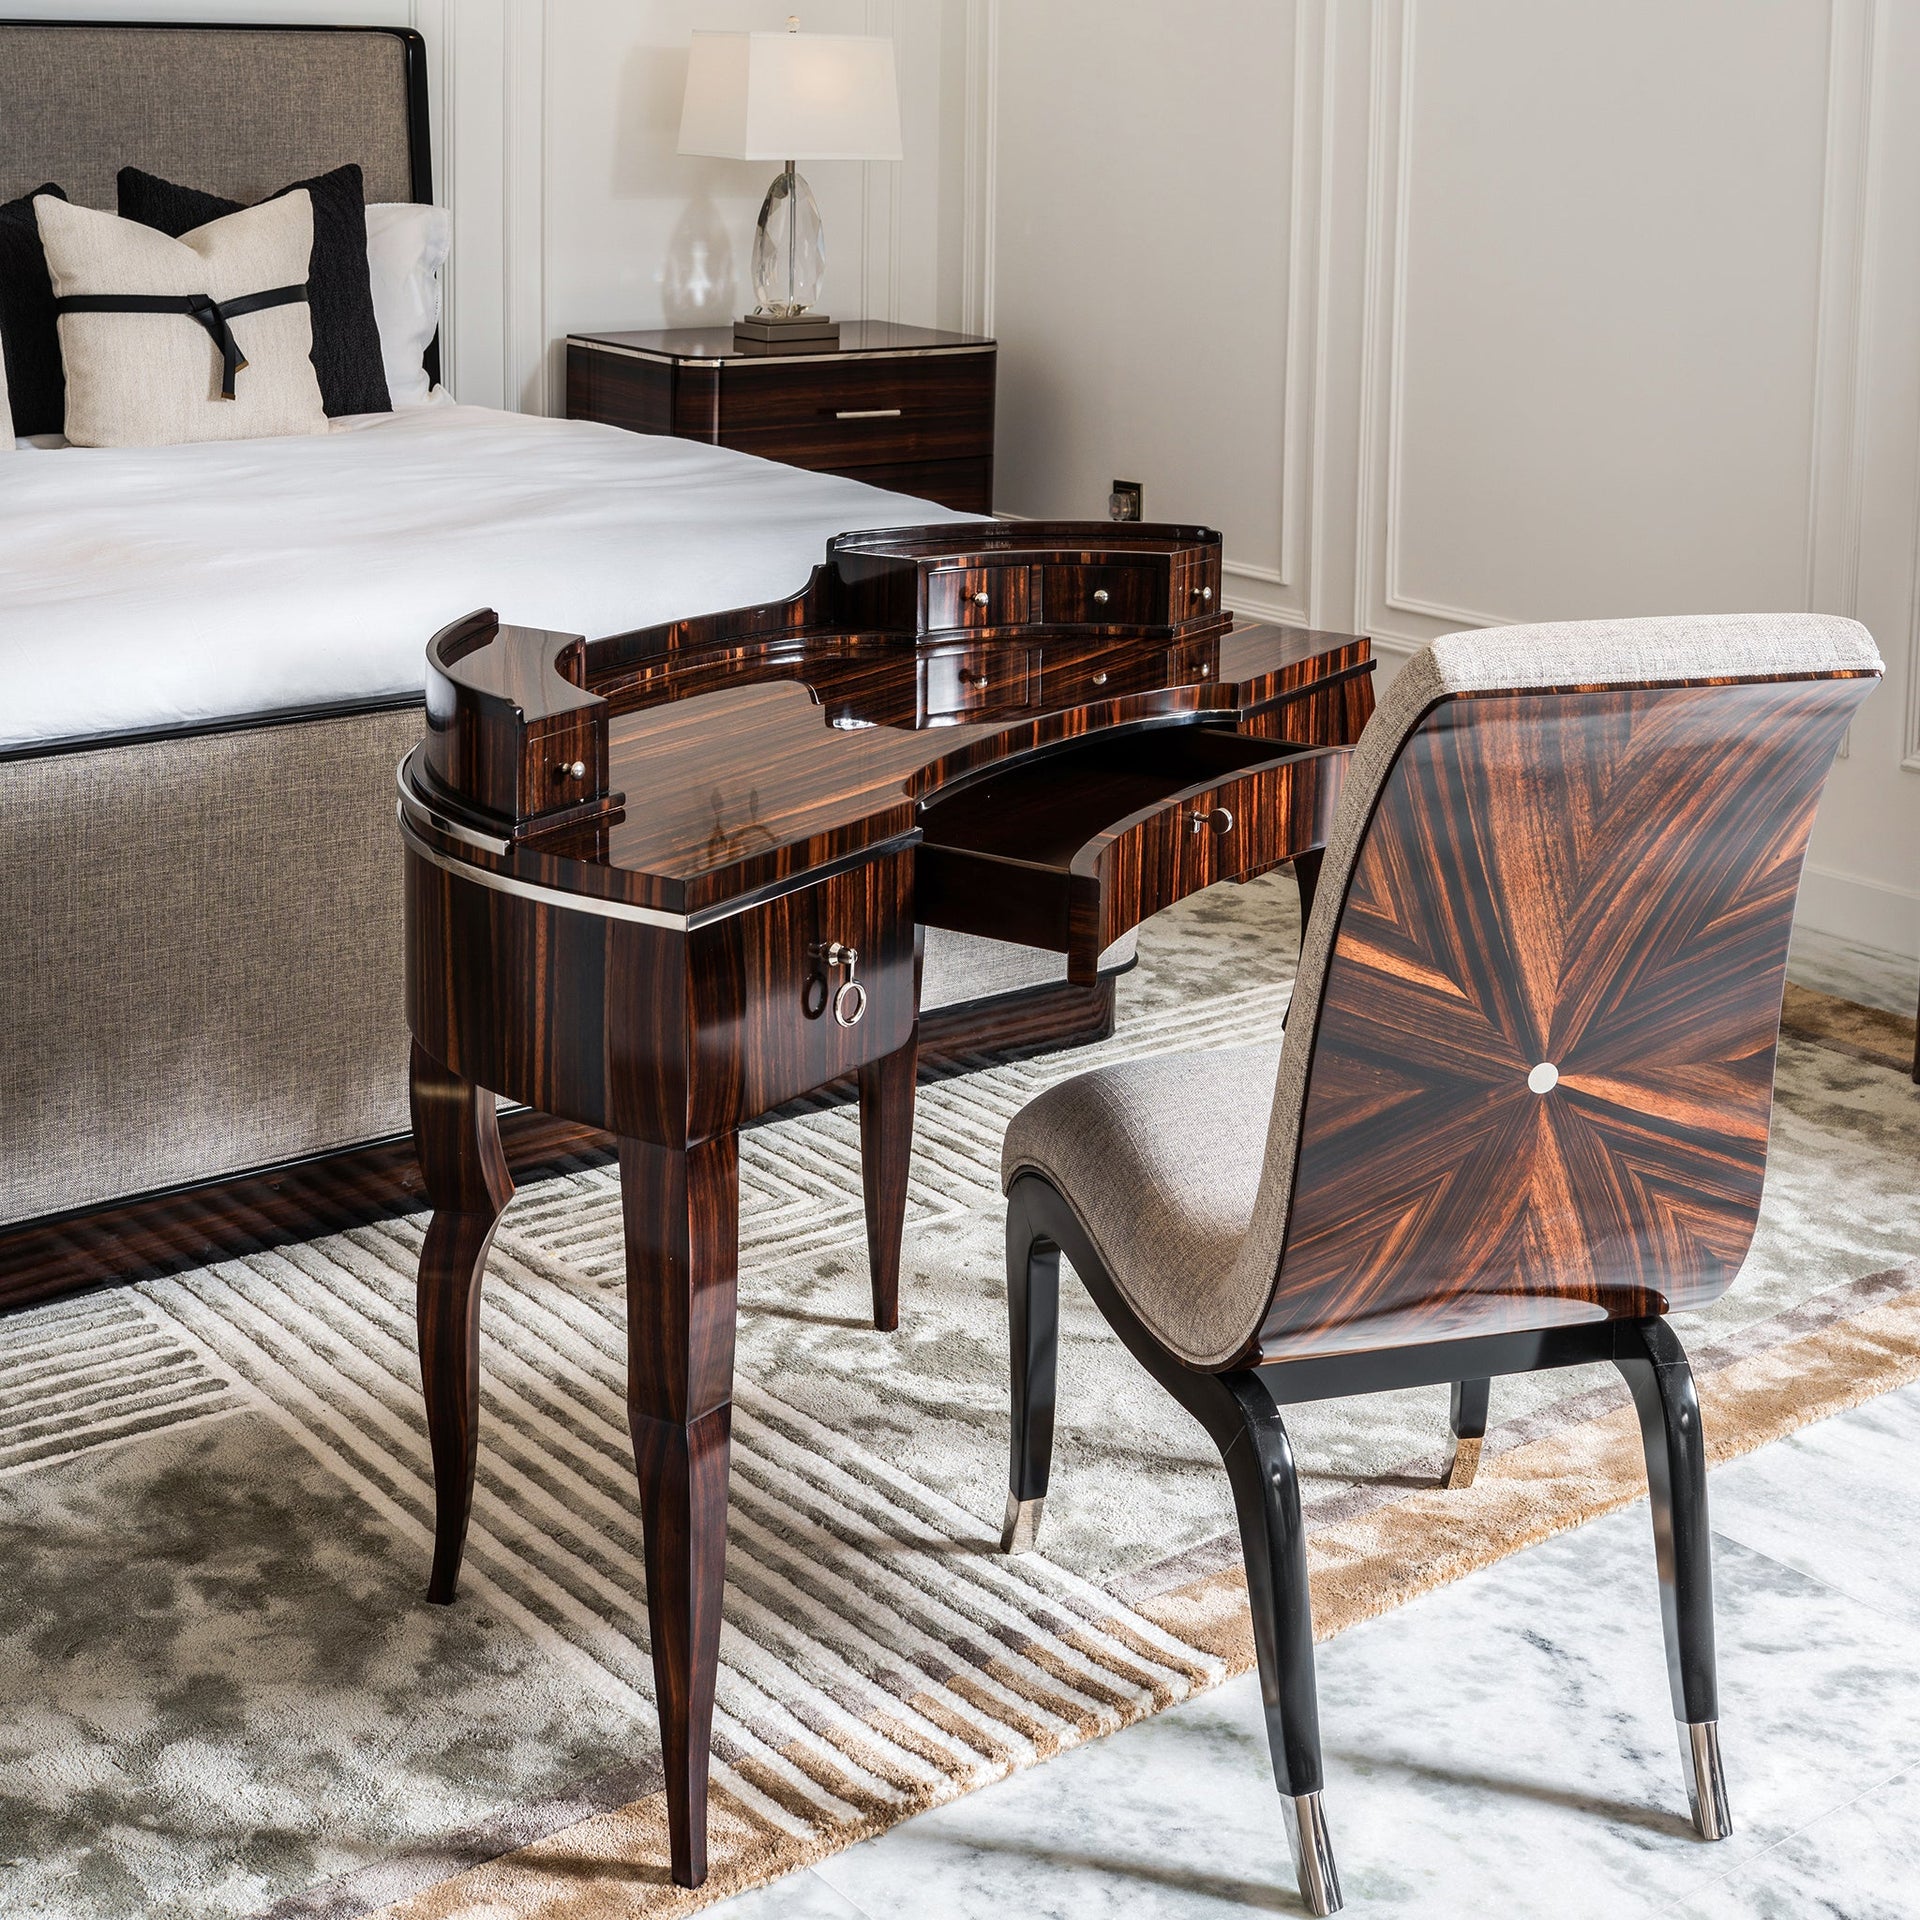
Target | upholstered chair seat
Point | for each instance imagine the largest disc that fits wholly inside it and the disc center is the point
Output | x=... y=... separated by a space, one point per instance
x=1163 y=1159
x=1520 y=1114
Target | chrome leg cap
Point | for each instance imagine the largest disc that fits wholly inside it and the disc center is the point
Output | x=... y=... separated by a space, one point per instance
x=1312 y=1854
x=1706 y=1780
x=1464 y=1464
x=1021 y=1529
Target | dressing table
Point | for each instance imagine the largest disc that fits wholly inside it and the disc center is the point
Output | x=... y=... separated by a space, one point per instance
x=662 y=882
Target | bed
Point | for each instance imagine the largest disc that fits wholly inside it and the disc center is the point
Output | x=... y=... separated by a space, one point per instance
x=203 y=962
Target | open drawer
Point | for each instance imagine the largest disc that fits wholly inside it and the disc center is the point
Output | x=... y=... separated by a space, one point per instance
x=1068 y=848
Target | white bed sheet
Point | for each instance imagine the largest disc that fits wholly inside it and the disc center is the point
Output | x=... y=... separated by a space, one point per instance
x=177 y=586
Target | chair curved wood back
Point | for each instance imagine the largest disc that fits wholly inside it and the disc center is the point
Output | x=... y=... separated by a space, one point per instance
x=1538 y=1057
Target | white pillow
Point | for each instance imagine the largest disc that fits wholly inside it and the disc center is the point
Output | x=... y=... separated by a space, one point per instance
x=406 y=248
x=153 y=379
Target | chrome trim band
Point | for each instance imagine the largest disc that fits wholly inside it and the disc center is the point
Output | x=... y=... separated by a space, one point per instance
x=786 y=359
x=644 y=916
x=1307 y=1841
x=426 y=815
x=545 y=896
x=1020 y=1530
x=1706 y=1778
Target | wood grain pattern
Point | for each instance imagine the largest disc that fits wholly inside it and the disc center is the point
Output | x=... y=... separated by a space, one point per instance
x=681 y=1209
x=468 y=1182
x=1602 y=882
x=903 y=408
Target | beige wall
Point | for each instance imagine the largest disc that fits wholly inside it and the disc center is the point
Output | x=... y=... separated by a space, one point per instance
x=1456 y=312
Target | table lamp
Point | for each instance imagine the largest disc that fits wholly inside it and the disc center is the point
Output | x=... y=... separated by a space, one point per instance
x=790 y=96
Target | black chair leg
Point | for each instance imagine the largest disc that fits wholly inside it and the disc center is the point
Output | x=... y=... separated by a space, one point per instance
x=1656 y=1369
x=1266 y=1496
x=1467 y=1421
x=1033 y=1311
x=1239 y=1414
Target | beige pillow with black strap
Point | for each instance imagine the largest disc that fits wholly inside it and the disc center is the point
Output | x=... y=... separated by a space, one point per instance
x=153 y=378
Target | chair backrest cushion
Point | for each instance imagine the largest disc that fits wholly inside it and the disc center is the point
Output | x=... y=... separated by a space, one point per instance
x=1529 y=1065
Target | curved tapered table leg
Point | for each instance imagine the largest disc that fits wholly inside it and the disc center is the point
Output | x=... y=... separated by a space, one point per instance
x=457 y=1139
x=682 y=1212
x=886 y=1151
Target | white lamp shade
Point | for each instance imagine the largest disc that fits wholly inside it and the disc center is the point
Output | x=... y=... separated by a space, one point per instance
x=791 y=96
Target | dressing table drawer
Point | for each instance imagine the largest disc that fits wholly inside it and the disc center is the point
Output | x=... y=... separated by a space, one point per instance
x=963 y=597
x=1068 y=849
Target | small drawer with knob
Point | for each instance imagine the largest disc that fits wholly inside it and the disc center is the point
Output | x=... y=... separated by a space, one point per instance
x=963 y=597
x=1071 y=677
x=965 y=683
x=1196 y=585
x=1111 y=595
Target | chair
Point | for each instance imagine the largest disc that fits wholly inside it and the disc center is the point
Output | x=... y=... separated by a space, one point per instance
x=1520 y=1112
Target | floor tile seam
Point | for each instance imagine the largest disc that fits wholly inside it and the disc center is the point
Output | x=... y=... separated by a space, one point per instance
x=1872 y=1606
x=1753 y=1860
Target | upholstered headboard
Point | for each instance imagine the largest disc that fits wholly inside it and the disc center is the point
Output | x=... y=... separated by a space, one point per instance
x=234 y=110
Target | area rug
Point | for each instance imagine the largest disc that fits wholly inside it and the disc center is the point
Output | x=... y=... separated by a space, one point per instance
x=222 y=1694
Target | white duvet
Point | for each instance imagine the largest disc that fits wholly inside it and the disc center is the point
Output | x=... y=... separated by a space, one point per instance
x=174 y=586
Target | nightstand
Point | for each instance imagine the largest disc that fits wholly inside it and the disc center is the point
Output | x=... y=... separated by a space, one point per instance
x=904 y=408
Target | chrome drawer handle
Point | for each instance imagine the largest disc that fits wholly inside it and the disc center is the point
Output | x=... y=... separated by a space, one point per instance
x=972 y=677
x=850 y=1002
x=1203 y=593
x=1099 y=679
x=1099 y=596
x=981 y=598
x=867 y=413
x=1220 y=819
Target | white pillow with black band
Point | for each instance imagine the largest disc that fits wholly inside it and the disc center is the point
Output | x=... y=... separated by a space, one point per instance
x=207 y=337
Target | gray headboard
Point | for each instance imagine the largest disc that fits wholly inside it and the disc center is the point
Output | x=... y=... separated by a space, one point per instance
x=233 y=110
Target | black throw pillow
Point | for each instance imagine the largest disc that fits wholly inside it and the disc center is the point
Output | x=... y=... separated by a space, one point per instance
x=29 y=333
x=346 y=337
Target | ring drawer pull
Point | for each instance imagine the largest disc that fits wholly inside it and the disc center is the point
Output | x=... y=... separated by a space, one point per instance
x=866 y=413
x=850 y=1001
x=1220 y=819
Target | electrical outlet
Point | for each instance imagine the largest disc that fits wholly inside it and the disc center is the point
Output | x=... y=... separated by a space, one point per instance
x=1123 y=503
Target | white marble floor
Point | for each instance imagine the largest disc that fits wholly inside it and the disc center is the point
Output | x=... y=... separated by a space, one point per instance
x=1504 y=1746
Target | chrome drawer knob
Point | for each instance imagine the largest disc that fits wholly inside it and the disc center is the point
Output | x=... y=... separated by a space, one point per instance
x=1203 y=593
x=972 y=677
x=1099 y=679
x=578 y=771
x=981 y=598
x=1220 y=819
x=1099 y=596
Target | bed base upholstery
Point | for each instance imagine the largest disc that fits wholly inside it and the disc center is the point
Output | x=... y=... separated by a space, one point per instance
x=206 y=1048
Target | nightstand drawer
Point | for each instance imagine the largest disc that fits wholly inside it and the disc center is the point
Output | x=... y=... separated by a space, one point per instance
x=873 y=411
x=961 y=597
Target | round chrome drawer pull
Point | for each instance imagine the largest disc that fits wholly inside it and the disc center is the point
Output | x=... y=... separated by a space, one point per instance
x=1099 y=679
x=850 y=1002
x=972 y=677
x=981 y=598
x=1220 y=819
x=578 y=771
x=1099 y=596
x=1203 y=593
